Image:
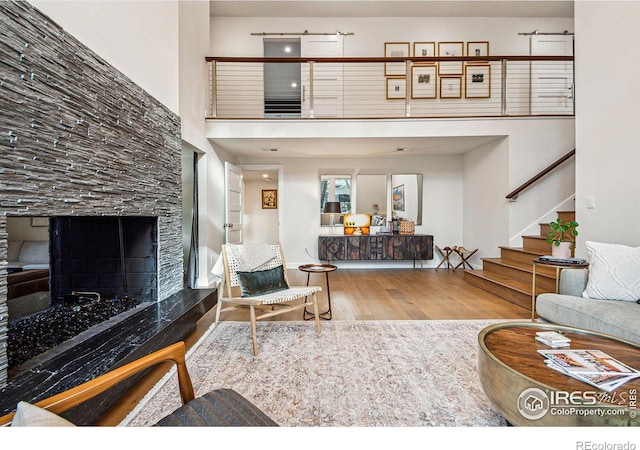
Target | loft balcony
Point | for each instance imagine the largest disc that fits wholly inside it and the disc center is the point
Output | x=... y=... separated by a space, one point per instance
x=390 y=87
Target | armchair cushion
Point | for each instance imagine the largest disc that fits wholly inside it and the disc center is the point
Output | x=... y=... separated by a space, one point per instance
x=262 y=282
x=613 y=272
x=28 y=415
x=222 y=407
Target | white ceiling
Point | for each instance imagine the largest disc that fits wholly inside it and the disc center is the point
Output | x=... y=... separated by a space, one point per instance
x=372 y=147
x=352 y=147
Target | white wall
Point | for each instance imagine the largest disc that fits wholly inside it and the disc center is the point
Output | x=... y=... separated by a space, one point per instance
x=259 y=225
x=20 y=229
x=607 y=122
x=193 y=70
x=485 y=210
x=370 y=33
x=139 y=38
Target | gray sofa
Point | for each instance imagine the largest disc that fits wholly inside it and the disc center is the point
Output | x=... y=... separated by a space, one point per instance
x=613 y=317
x=28 y=255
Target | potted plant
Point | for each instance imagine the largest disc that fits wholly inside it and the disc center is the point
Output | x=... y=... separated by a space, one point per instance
x=562 y=237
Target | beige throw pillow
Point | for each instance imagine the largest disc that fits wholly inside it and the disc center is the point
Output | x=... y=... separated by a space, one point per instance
x=614 y=272
x=28 y=415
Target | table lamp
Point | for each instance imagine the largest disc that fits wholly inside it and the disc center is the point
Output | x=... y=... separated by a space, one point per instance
x=332 y=208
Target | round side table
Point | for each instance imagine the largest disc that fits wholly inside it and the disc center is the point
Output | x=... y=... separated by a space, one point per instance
x=318 y=268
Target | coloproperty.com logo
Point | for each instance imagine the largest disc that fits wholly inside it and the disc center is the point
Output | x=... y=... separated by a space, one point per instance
x=535 y=403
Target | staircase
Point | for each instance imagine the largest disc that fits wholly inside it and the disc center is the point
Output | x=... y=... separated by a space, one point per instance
x=511 y=275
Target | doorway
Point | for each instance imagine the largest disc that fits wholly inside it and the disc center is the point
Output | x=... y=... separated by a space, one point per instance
x=262 y=209
x=282 y=80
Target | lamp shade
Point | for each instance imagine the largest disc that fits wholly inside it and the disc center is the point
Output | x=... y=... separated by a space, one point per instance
x=332 y=208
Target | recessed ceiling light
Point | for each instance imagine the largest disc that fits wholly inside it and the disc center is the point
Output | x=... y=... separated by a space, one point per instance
x=287 y=49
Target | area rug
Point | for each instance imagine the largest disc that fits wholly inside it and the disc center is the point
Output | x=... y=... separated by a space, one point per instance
x=354 y=374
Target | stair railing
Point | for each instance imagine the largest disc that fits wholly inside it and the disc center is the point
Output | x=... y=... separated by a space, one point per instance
x=513 y=195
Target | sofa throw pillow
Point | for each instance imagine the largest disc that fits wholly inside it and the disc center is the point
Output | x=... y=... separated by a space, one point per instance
x=28 y=415
x=262 y=282
x=614 y=272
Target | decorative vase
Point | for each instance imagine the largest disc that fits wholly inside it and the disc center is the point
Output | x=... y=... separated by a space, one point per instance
x=561 y=251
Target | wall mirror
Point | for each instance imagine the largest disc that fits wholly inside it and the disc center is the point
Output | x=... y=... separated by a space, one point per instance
x=335 y=188
x=406 y=197
x=371 y=197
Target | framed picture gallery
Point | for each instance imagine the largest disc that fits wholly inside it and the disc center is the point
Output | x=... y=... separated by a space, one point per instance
x=396 y=88
x=477 y=81
x=424 y=50
x=478 y=48
x=424 y=81
x=396 y=50
x=450 y=87
x=452 y=50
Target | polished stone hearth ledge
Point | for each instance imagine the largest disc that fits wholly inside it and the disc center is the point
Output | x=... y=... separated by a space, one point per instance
x=149 y=329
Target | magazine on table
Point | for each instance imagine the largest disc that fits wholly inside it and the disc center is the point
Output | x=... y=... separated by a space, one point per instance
x=591 y=366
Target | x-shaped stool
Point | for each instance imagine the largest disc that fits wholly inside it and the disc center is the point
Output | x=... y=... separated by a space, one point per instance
x=464 y=255
x=445 y=253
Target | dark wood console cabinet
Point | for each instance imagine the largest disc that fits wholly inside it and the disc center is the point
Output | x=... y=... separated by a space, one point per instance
x=375 y=247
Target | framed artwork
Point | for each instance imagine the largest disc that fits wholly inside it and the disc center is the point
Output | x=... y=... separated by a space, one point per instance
x=396 y=88
x=453 y=50
x=424 y=49
x=450 y=87
x=396 y=50
x=477 y=49
x=269 y=199
x=357 y=224
x=424 y=81
x=477 y=81
x=398 y=198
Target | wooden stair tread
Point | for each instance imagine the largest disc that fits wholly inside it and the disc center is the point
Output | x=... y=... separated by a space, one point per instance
x=540 y=271
x=535 y=236
x=534 y=254
x=523 y=288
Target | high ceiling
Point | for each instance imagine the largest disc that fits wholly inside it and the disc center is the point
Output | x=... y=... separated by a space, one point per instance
x=361 y=147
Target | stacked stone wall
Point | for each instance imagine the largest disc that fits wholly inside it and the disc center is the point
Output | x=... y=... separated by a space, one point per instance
x=77 y=137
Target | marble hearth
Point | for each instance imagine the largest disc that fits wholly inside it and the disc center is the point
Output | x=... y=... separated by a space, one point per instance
x=103 y=348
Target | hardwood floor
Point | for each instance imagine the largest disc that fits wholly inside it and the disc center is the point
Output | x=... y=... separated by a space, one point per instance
x=393 y=294
x=402 y=294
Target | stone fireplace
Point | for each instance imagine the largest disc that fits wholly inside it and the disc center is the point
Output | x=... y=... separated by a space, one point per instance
x=78 y=139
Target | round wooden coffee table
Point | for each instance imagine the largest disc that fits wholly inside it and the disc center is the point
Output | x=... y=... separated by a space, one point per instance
x=528 y=393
